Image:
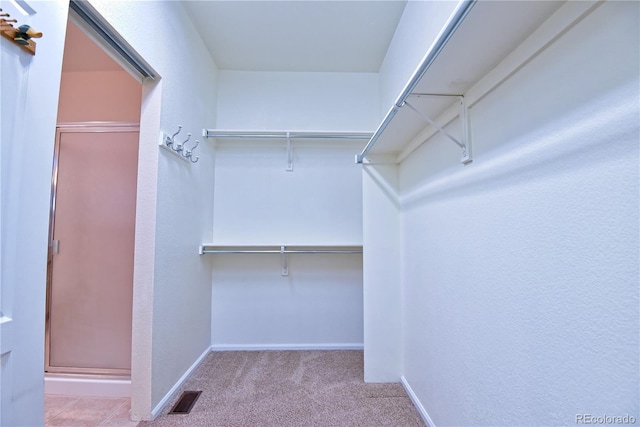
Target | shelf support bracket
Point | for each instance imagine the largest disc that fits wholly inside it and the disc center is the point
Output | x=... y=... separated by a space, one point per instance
x=465 y=144
x=285 y=261
x=289 y=154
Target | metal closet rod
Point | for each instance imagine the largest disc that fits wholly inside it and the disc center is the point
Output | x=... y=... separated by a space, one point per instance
x=286 y=251
x=449 y=29
x=280 y=249
x=222 y=133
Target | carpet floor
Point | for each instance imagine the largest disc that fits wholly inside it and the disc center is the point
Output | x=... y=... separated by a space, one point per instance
x=289 y=389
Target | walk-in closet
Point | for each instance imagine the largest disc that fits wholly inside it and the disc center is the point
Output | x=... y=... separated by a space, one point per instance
x=339 y=213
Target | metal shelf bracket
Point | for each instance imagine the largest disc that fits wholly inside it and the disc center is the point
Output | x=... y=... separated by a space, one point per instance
x=465 y=144
x=289 y=167
x=285 y=261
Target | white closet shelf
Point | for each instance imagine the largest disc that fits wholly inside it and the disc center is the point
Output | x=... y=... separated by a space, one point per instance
x=282 y=250
x=279 y=249
x=286 y=135
x=475 y=39
x=283 y=134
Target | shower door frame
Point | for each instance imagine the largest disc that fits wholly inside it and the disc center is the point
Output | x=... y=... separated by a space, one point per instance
x=62 y=128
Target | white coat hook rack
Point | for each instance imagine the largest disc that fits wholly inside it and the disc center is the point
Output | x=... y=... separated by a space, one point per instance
x=179 y=149
x=465 y=144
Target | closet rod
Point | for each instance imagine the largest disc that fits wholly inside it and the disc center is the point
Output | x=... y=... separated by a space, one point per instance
x=286 y=251
x=222 y=133
x=447 y=31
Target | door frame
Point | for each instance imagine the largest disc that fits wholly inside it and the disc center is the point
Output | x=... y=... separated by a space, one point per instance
x=80 y=127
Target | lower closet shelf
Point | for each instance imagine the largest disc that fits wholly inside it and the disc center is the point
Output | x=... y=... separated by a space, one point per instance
x=280 y=249
x=283 y=250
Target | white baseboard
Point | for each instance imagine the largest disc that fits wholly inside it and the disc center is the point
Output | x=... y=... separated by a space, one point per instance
x=76 y=385
x=423 y=412
x=160 y=406
x=262 y=347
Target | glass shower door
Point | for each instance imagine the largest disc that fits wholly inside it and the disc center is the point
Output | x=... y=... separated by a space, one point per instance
x=92 y=248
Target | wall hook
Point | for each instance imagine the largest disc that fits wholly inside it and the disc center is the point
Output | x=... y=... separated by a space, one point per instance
x=180 y=147
x=171 y=139
x=189 y=153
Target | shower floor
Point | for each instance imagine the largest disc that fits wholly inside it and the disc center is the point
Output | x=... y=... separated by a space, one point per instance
x=71 y=411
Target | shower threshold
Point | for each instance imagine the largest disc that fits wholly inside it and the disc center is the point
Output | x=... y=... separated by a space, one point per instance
x=87 y=385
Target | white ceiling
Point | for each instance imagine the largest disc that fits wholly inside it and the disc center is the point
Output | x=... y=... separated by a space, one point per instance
x=275 y=35
x=302 y=35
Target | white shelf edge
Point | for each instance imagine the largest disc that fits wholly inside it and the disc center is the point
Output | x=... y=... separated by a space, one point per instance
x=276 y=249
x=535 y=43
x=277 y=134
x=543 y=37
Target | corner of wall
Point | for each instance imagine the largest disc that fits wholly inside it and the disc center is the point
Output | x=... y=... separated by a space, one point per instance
x=144 y=263
x=382 y=274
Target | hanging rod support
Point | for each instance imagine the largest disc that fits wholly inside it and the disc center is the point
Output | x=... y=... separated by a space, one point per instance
x=464 y=144
x=455 y=20
x=289 y=167
x=434 y=124
x=285 y=261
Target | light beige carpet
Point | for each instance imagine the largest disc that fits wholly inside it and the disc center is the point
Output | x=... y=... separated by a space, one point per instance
x=287 y=389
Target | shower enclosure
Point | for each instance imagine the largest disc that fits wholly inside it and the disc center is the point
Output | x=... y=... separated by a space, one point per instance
x=90 y=277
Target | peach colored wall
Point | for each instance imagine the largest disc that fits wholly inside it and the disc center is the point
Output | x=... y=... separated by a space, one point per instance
x=99 y=96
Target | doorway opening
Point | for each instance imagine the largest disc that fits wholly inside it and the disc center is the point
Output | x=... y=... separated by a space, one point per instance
x=93 y=211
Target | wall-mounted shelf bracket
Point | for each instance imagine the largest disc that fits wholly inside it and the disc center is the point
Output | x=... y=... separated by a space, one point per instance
x=285 y=261
x=289 y=167
x=465 y=142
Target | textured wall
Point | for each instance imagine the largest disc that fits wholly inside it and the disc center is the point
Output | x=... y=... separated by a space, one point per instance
x=172 y=283
x=521 y=270
x=420 y=24
x=298 y=101
x=381 y=271
x=319 y=202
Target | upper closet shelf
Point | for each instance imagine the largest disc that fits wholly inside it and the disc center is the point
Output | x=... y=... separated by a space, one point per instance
x=283 y=134
x=476 y=38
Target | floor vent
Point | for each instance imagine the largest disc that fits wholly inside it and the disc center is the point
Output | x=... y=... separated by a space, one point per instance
x=186 y=402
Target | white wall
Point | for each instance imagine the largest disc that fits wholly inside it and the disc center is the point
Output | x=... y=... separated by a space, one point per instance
x=318 y=203
x=30 y=86
x=172 y=283
x=381 y=270
x=520 y=271
x=420 y=24
x=298 y=101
